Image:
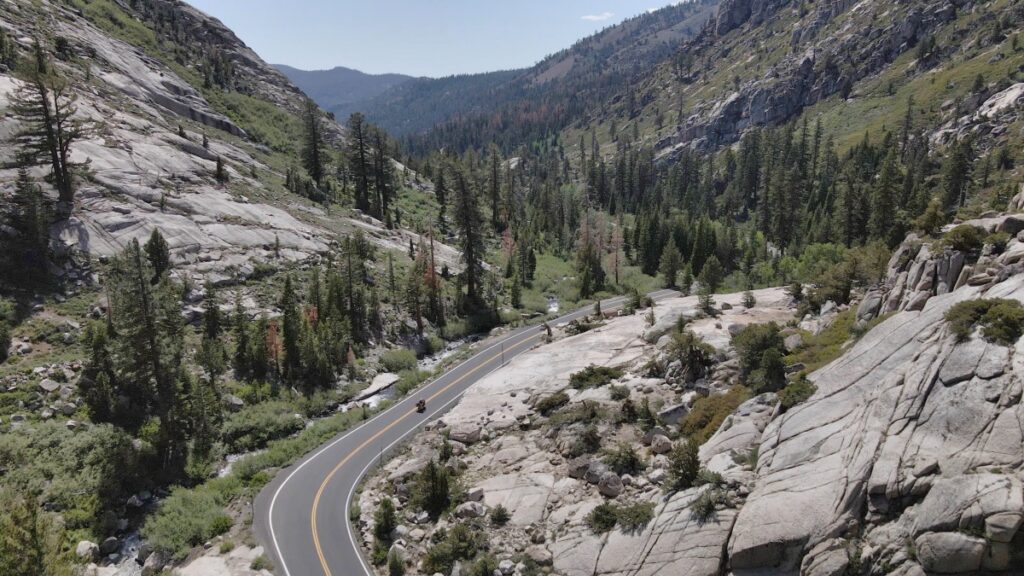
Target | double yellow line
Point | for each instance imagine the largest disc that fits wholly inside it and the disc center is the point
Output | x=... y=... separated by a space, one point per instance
x=372 y=439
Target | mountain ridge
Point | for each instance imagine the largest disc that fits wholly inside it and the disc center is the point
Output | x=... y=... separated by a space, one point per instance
x=337 y=89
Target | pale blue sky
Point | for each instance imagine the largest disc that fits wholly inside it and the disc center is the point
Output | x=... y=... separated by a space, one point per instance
x=417 y=37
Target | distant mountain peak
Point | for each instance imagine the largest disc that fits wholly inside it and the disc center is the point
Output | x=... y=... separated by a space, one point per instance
x=340 y=85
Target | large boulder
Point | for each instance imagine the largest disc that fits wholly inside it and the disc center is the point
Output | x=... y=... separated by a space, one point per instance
x=967 y=502
x=949 y=552
x=577 y=467
x=595 y=472
x=661 y=444
x=466 y=432
x=87 y=550
x=610 y=485
x=470 y=510
x=109 y=546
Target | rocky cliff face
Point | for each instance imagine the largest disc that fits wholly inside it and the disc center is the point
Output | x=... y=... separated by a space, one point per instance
x=147 y=165
x=907 y=459
x=803 y=54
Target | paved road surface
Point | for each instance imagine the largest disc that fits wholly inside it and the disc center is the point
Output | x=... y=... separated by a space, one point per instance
x=302 y=515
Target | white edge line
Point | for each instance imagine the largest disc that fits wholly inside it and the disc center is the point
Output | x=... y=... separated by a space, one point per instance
x=273 y=500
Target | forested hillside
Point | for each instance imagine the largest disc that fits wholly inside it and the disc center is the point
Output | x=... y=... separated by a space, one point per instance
x=516 y=106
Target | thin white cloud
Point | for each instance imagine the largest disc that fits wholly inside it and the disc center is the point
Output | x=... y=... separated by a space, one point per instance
x=597 y=17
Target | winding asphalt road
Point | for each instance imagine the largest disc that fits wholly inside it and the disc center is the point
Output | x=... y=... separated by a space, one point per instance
x=302 y=515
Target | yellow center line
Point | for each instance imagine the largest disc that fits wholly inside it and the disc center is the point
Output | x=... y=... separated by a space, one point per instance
x=323 y=485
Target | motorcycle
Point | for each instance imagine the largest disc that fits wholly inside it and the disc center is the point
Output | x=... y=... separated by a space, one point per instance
x=421 y=406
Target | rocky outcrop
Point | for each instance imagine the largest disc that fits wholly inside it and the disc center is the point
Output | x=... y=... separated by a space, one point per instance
x=906 y=412
x=151 y=156
x=919 y=270
x=734 y=13
x=909 y=454
x=833 y=46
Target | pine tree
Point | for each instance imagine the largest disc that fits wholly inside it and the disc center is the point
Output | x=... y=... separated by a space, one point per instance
x=291 y=331
x=494 y=187
x=686 y=282
x=159 y=254
x=314 y=157
x=432 y=489
x=471 y=240
x=883 y=199
x=220 y=172
x=383 y=177
x=45 y=105
x=956 y=174
x=213 y=356
x=242 y=329
x=441 y=194
x=140 y=365
x=435 y=301
x=712 y=274
x=516 y=290
x=357 y=156
x=24 y=259
x=671 y=262
x=414 y=297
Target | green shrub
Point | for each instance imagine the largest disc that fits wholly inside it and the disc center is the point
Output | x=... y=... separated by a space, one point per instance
x=998 y=241
x=226 y=546
x=485 y=565
x=384 y=520
x=634 y=517
x=708 y=412
x=594 y=377
x=618 y=392
x=187 y=518
x=751 y=343
x=1001 y=320
x=683 y=465
x=396 y=565
x=770 y=376
x=695 y=355
x=588 y=442
x=628 y=414
x=705 y=477
x=703 y=507
x=435 y=344
x=630 y=518
x=602 y=518
x=457 y=543
x=398 y=359
x=261 y=562
x=749 y=300
x=965 y=237
x=254 y=426
x=432 y=490
x=500 y=515
x=549 y=404
x=748 y=459
x=408 y=380
x=87 y=474
x=624 y=460
x=379 y=553
x=796 y=392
